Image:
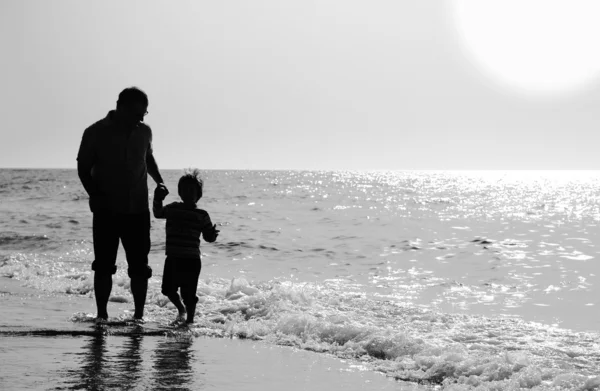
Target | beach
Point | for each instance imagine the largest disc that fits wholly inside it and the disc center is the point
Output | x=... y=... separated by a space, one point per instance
x=319 y=280
x=47 y=352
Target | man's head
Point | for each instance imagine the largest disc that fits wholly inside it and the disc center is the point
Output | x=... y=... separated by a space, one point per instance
x=132 y=106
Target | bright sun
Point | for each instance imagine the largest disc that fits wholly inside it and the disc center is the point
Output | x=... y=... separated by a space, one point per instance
x=535 y=46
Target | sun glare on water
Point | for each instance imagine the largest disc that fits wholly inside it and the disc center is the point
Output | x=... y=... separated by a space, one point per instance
x=537 y=47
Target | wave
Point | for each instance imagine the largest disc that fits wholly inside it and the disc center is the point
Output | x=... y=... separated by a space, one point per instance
x=410 y=343
x=13 y=240
x=455 y=351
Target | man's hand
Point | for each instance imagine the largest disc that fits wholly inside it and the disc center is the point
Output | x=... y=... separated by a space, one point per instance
x=98 y=202
x=161 y=191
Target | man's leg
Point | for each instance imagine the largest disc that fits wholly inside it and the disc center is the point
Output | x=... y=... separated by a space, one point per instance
x=135 y=236
x=139 y=289
x=102 y=289
x=106 y=245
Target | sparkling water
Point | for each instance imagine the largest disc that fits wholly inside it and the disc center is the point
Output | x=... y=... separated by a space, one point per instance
x=441 y=280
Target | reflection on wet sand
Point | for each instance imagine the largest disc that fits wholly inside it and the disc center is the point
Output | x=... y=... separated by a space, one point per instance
x=129 y=362
x=95 y=370
x=173 y=363
x=102 y=370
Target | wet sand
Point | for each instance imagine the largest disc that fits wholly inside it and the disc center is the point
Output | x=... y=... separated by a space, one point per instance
x=43 y=350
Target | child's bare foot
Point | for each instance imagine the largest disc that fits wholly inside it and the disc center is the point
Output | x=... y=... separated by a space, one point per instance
x=190 y=318
x=180 y=317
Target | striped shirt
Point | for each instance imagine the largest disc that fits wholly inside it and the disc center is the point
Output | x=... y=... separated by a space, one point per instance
x=184 y=225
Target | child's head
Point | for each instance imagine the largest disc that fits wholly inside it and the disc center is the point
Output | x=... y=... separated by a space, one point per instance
x=190 y=186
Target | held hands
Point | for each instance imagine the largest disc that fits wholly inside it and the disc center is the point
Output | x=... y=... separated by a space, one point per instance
x=161 y=191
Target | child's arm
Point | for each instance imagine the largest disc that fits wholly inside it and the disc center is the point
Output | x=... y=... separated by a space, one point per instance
x=210 y=231
x=157 y=206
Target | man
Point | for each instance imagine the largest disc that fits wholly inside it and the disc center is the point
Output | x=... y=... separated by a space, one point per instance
x=113 y=163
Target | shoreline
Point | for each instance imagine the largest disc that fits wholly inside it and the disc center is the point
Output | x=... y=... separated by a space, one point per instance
x=36 y=332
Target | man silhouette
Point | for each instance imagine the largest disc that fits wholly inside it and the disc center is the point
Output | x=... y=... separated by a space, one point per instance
x=113 y=163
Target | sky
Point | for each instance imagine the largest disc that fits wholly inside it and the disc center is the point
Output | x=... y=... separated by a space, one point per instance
x=309 y=84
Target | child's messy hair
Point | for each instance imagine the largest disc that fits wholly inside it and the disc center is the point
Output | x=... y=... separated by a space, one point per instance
x=191 y=175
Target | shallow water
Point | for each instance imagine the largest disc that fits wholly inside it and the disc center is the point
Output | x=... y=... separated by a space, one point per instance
x=456 y=280
x=141 y=362
x=43 y=348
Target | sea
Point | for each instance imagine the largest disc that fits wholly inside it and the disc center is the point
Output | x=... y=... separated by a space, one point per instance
x=319 y=280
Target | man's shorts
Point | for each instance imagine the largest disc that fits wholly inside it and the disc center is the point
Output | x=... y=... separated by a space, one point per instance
x=181 y=273
x=133 y=230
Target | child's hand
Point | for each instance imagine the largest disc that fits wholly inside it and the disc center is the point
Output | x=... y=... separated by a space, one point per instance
x=161 y=191
x=211 y=236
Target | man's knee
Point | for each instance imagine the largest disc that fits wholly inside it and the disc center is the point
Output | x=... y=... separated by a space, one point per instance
x=141 y=271
x=102 y=268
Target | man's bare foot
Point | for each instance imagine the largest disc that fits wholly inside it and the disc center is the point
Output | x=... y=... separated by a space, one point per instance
x=137 y=320
x=100 y=320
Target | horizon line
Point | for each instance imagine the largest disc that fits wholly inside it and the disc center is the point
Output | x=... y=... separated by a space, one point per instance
x=338 y=169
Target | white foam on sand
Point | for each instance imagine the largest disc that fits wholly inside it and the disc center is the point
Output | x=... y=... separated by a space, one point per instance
x=405 y=343
x=67 y=359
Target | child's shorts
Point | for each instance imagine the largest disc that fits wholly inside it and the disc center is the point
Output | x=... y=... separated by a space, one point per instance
x=181 y=273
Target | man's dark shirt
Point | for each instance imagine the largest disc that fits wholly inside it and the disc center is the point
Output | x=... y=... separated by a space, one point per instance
x=116 y=158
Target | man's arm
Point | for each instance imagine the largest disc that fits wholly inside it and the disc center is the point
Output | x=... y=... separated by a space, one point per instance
x=151 y=162
x=85 y=162
x=153 y=168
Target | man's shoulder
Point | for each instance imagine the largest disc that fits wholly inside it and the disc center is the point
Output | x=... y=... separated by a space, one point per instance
x=145 y=129
x=144 y=126
x=100 y=124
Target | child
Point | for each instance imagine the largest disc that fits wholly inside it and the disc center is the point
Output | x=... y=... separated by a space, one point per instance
x=185 y=223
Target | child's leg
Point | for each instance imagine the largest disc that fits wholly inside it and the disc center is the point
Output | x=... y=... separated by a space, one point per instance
x=190 y=307
x=176 y=300
x=189 y=286
x=169 y=286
